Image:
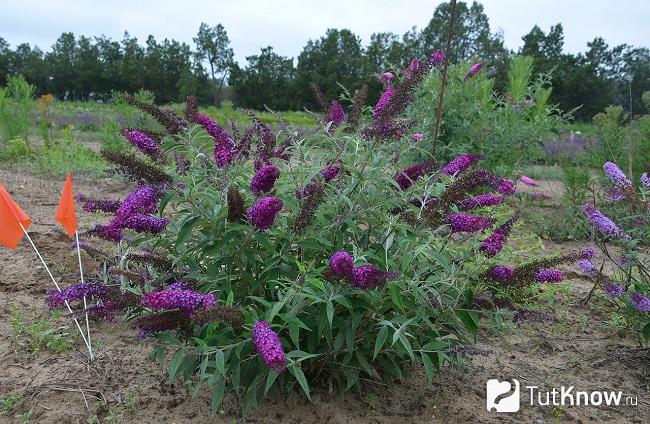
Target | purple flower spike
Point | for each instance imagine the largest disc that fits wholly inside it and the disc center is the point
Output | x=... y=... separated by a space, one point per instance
x=482 y=200
x=613 y=290
x=142 y=200
x=465 y=223
x=330 y=172
x=417 y=136
x=262 y=214
x=640 y=302
x=78 y=291
x=145 y=223
x=383 y=101
x=461 y=164
x=546 y=275
x=501 y=272
x=603 y=224
x=437 y=57
x=528 y=181
x=645 y=180
x=142 y=141
x=109 y=232
x=264 y=179
x=224 y=146
x=506 y=187
x=341 y=264
x=184 y=299
x=494 y=243
x=475 y=69
x=366 y=277
x=588 y=253
x=335 y=114
x=406 y=177
x=268 y=346
x=616 y=176
x=586 y=266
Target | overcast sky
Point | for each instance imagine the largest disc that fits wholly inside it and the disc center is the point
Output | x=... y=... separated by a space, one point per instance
x=288 y=24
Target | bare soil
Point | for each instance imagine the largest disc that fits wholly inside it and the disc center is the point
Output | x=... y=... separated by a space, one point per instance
x=577 y=349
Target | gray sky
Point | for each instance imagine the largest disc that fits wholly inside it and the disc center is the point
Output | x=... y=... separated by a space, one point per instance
x=288 y=24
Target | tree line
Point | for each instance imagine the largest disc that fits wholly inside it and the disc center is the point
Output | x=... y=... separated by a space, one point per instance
x=83 y=68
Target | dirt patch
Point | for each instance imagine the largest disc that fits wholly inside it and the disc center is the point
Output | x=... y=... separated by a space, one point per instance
x=578 y=349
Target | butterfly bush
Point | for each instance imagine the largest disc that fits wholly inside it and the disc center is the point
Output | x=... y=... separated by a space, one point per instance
x=628 y=285
x=296 y=255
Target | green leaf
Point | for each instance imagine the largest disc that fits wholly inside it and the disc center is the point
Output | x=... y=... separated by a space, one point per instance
x=330 y=312
x=175 y=364
x=186 y=230
x=470 y=321
x=407 y=345
x=380 y=341
x=395 y=294
x=428 y=366
x=217 y=395
x=300 y=376
x=220 y=363
x=270 y=379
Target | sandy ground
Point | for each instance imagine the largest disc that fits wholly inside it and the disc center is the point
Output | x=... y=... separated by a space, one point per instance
x=577 y=349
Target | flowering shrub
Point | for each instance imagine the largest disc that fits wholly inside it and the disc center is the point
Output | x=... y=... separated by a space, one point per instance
x=628 y=286
x=267 y=261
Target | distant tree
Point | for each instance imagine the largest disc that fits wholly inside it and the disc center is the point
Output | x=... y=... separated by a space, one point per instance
x=212 y=45
x=337 y=57
x=5 y=60
x=267 y=80
x=29 y=63
x=60 y=62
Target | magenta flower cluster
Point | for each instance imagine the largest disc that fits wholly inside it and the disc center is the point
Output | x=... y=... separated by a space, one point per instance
x=142 y=141
x=546 y=275
x=466 y=223
x=335 y=114
x=262 y=214
x=268 y=346
x=224 y=146
x=406 y=177
x=383 y=101
x=141 y=223
x=645 y=180
x=367 y=277
x=341 y=264
x=586 y=266
x=494 y=243
x=501 y=272
x=473 y=70
x=613 y=290
x=143 y=199
x=184 y=299
x=603 y=224
x=461 y=164
x=264 y=179
x=437 y=57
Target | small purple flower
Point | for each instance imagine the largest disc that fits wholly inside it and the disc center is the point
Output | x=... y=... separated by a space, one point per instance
x=494 y=243
x=406 y=177
x=264 y=179
x=586 y=266
x=482 y=200
x=603 y=224
x=142 y=141
x=95 y=205
x=466 y=223
x=475 y=69
x=330 y=172
x=645 y=180
x=341 y=264
x=78 y=291
x=145 y=223
x=537 y=195
x=616 y=176
x=546 y=275
x=177 y=299
x=109 y=232
x=615 y=195
x=588 y=253
x=142 y=200
x=366 y=277
x=387 y=76
x=180 y=285
x=335 y=114
x=613 y=290
x=437 y=57
x=224 y=146
x=461 y=164
x=417 y=136
x=383 y=101
x=413 y=67
x=501 y=272
x=528 y=181
x=268 y=346
x=640 y=302
x=506 y=187
x=262 y=214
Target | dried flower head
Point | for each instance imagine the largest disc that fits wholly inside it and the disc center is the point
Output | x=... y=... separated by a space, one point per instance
x=236 y=207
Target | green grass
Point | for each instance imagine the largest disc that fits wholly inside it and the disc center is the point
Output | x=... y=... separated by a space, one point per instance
x=36 y=334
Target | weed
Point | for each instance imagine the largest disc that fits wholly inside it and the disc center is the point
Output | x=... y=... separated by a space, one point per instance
x=36 y=334
x=8 y=404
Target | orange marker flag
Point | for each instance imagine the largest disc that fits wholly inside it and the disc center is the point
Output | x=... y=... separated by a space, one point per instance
x=11 y=216
x=65 y=213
